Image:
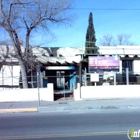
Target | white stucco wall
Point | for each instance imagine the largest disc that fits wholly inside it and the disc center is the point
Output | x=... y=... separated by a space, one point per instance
x=46 y=94
x=76 y=92
x=136 y=66
x=118 y=91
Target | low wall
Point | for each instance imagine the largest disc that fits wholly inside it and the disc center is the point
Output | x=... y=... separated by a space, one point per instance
x=76 y=93
x=9 y=95
x=117 y=91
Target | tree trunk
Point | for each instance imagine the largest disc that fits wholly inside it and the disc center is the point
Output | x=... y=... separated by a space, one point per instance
x=17 y=48
x=23 y=73
x=29 y=58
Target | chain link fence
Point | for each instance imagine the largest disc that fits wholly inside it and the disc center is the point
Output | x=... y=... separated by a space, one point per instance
x=63 y=82
x=16 y=82
x=110 y=78
x=66 y=82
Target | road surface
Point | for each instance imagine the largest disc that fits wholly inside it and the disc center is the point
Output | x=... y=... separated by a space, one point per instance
x=105 y=124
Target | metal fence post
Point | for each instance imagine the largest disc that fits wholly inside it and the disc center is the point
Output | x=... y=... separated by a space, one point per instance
x=80 y=73
x=64 y=86
x=85 y=78
x=38 y=74
x=114 y=78
x=127 y=76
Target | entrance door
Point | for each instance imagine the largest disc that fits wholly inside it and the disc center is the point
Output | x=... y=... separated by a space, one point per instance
x=60 y=79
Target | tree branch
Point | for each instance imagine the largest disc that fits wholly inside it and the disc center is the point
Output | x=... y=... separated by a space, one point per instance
x=15 y=3
x=25 y=23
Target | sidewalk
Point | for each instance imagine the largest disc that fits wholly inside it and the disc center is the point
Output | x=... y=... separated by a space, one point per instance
x=69 y=105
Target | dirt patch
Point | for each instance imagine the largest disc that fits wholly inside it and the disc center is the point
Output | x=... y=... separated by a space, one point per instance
x=68 y=96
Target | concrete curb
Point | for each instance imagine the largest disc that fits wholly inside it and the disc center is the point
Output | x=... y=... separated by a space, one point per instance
x=85 y=108
x=18 y=110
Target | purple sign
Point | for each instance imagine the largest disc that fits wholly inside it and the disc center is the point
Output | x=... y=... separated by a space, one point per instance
x=103 y=63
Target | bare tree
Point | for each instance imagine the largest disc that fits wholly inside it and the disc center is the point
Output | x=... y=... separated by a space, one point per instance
x=20 y=18
x=107 y=40
x=121 y=39
x=124 y=39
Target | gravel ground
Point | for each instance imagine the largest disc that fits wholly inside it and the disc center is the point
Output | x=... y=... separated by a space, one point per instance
x=66 y=98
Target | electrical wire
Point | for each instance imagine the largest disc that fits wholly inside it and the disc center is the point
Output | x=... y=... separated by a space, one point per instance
x=108 y=9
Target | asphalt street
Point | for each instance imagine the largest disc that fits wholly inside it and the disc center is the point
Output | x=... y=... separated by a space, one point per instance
x=100 y=137
x=107 y=125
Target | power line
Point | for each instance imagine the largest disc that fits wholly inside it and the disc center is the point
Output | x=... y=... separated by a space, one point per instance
x=108 y=9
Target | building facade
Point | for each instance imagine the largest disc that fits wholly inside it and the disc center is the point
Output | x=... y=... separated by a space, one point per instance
x=64 y=66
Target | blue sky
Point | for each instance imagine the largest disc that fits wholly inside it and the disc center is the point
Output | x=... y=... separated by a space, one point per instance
x=109 y=17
